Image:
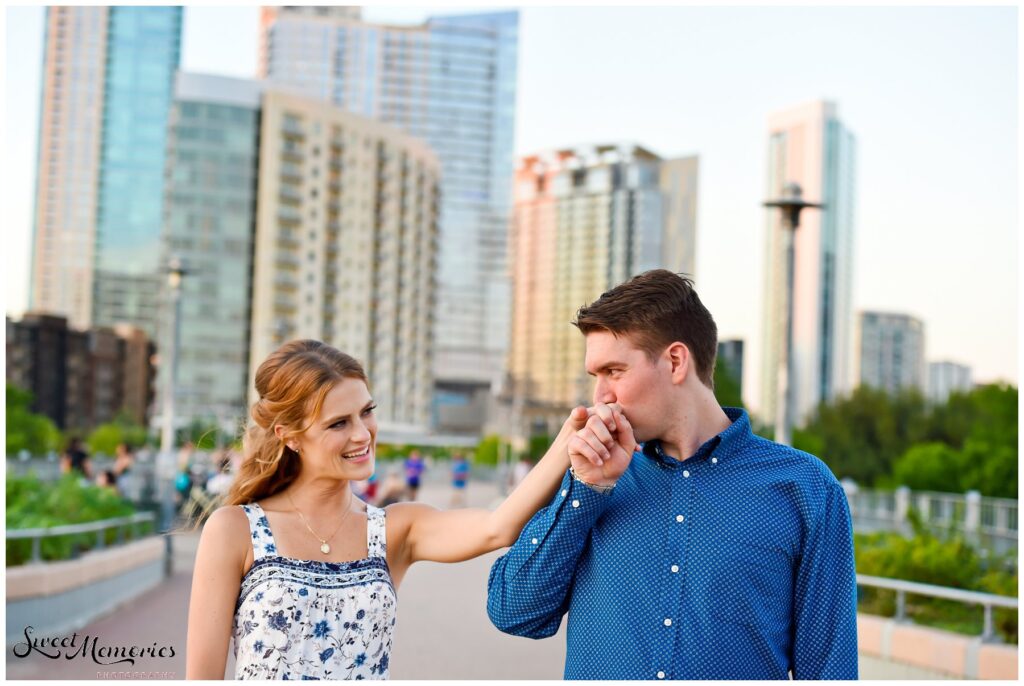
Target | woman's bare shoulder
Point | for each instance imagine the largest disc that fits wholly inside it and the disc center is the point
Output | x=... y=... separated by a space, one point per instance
x=227 y=525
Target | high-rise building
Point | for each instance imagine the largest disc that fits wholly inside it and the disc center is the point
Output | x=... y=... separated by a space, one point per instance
x=586 y=219
x=809 y=145
x=345 y=248
x=451 y=82
x=81 y=378
x=99 y=189
x=68 y=162
x=890 y=350
x=945 y=378
x=143 y=52
x=730 y=352
x=213 y=147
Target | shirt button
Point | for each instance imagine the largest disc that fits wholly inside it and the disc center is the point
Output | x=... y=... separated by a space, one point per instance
x=534 y=541
x=675 y=568
x=565 y=493
x=714 y=460
x=661 y=675
x=679 y=518
x=575 y=503
x=668 y=622
x=686 y=474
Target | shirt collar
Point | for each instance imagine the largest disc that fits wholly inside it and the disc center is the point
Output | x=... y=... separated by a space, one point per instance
x=721 y=444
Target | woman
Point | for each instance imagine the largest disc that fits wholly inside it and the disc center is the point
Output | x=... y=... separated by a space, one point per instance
x=303 y=575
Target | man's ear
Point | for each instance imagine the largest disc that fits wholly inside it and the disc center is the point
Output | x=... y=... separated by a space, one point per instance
x=680 y=361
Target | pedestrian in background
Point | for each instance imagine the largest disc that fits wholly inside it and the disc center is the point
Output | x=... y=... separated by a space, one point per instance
x=75 y=459
x=460 y=477
x=413 y=472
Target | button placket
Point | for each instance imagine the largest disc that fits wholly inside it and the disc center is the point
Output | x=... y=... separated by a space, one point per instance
x=678 y=539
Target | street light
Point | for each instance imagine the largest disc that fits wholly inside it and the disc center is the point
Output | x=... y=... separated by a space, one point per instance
x=175 y=274
x=791 y=203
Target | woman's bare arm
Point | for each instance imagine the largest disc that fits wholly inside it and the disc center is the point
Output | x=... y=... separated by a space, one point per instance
x=457 y=535
x=223 y=549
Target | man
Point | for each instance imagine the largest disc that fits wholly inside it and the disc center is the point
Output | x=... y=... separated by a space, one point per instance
x=704 y=552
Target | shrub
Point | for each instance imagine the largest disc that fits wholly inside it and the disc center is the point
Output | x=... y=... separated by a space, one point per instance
x=930 y=560
x=32 y=503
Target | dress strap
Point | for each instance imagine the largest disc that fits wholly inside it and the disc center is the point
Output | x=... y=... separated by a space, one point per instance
x=259 y=529
x=376 y=532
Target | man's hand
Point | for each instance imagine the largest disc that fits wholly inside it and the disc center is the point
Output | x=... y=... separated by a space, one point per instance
x=601 y=449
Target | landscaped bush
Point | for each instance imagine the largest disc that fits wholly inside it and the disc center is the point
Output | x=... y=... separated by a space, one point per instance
x=930 y=560
x=32 y=503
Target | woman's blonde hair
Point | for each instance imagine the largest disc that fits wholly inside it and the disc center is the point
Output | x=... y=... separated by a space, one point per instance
x=292 y=383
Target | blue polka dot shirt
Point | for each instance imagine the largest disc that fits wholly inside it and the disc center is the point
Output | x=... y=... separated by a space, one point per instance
x=736 y=563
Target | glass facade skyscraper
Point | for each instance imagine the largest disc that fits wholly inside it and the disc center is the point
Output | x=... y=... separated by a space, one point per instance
x=452 y=83
x=99 y=190
x=142 y=55
x=809 y=145
x=210 y=198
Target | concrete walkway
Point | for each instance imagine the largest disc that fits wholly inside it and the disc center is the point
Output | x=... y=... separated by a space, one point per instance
x=442 y=633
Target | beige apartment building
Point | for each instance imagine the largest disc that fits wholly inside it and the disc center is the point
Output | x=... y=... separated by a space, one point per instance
x=70 y=128
x=450 y=81
x=585 y=220
x=345 y=248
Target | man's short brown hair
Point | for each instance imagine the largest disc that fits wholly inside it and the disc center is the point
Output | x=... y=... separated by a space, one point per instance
x=654 y=310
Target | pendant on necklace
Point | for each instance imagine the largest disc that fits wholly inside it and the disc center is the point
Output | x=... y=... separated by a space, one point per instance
x=325 y=549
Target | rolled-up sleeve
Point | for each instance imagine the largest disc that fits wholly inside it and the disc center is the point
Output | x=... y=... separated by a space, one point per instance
x=529 y=587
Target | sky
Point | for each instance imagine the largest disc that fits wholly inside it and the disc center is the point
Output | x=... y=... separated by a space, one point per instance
x=931 y=94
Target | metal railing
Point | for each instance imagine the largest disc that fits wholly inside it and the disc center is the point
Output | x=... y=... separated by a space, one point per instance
x=902 y=588
x=99 y=527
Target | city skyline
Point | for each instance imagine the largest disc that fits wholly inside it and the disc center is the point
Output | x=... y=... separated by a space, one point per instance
x=932 y=127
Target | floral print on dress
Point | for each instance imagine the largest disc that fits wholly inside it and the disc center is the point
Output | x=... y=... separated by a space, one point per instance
x=306 y=619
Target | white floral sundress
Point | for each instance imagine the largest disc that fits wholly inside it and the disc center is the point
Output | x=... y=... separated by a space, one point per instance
x=306 y=619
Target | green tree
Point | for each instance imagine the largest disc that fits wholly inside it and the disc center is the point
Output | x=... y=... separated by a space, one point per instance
x=989 y=468
x=930 y=467
x=861 y=436
x=27 y=430
x=203 y=434
x=538 y=446
x=105 y=438
x=487 y=451
x=987 y=412
x=727 y=391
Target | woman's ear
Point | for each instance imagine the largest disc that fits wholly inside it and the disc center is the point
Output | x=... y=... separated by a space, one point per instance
x=280 y=431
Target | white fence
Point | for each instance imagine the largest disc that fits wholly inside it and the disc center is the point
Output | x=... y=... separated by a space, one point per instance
x=990 y=523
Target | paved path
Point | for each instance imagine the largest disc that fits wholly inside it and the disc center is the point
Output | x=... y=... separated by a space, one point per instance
x=442 y=633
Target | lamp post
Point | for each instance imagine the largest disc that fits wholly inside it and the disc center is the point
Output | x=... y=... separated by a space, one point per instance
x=175 y=273
x=791 y=203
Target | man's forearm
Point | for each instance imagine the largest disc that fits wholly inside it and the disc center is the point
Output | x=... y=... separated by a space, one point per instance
x=529 y=586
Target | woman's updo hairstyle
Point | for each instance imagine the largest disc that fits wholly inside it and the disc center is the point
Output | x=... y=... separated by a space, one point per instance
x=292 y=384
